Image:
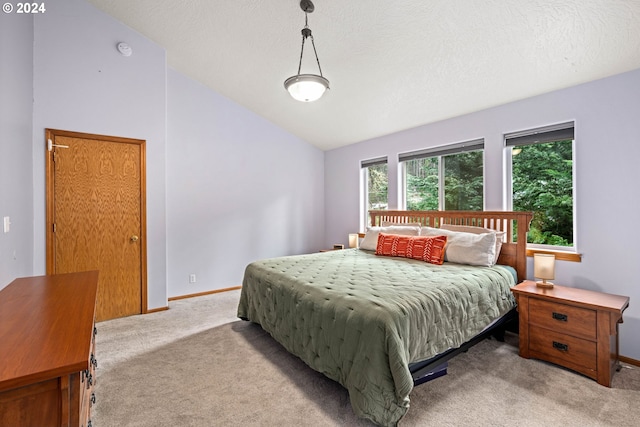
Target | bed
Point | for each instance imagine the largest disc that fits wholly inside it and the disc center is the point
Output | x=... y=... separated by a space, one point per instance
x=379 y=325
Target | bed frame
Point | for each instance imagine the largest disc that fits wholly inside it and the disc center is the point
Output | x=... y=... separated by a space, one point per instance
x=513 y=253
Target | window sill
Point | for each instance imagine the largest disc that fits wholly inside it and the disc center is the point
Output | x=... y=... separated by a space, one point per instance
x=560 y=255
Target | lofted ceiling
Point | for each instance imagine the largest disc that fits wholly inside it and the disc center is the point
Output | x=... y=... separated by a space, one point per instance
x=392 y=64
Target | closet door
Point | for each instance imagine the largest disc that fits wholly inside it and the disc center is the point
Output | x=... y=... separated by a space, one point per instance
x=96 y=216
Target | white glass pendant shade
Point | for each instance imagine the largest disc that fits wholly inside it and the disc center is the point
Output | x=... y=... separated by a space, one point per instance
x=306 y=87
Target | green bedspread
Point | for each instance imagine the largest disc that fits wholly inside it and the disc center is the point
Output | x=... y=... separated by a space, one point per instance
x=360 y=319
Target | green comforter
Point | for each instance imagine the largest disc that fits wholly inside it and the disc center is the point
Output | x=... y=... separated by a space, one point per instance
x=360 y=319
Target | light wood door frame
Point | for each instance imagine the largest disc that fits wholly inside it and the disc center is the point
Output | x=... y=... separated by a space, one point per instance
x=50 y=134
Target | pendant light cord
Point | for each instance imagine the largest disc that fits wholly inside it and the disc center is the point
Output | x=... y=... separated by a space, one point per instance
x=306 y=32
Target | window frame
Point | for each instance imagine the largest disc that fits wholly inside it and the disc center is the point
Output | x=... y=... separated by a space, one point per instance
x=364 y=186
x=439 y=152
x=551 y=133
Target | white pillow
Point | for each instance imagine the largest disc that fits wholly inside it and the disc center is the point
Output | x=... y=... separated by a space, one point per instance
x=370 y=241
x=466 y=248
x=478 y=230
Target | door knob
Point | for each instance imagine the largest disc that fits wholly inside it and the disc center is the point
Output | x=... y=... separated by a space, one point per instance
x=134 y=238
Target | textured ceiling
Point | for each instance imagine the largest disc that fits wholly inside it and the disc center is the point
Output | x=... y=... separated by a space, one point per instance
x=392 y=64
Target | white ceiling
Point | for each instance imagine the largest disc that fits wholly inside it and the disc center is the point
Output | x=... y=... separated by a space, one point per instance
x=392 y=64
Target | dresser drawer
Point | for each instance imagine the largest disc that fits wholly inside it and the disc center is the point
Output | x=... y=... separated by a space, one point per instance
x=557 y=348
x=576 y=321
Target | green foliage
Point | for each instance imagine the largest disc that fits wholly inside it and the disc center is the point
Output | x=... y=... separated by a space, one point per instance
x=463 y=182
x=377 y=186
x=422 y=184
x=543 y=183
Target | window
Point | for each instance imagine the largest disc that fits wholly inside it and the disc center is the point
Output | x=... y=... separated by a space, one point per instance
x=444 y=178
x=541 y=170
x=375 y=183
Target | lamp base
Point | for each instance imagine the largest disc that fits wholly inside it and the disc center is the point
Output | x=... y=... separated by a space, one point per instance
x=544 y=284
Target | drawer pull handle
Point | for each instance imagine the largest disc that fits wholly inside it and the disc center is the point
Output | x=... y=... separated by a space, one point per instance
x=560 y=316
x=559 y=346
x=92 y=400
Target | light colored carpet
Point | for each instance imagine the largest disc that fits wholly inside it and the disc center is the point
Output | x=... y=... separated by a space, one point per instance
x=198 y=365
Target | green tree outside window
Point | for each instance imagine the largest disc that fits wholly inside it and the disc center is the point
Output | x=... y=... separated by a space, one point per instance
x=542 y=176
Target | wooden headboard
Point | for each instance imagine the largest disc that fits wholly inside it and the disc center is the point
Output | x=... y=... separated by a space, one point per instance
x=514 y=224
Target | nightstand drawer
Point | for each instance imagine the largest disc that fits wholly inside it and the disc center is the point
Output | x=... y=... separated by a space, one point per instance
x=566 y=319
x=559 y=348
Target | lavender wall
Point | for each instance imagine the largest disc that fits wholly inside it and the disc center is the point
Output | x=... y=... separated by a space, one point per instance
x=224 y=186
x=238 y=189
x=16 y=95
x=82 y=83
x=607 y=196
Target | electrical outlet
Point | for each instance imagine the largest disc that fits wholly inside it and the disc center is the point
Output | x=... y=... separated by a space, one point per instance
x=192 y=278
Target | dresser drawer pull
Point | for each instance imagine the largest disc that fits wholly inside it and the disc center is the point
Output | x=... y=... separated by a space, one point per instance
x=560 y=316
x=559 y=346
x=92 y=401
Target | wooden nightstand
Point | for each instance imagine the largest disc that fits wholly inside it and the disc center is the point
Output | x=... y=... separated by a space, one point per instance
x=571 y=327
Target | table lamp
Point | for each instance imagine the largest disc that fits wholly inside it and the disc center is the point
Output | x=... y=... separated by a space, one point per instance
x=544 y=267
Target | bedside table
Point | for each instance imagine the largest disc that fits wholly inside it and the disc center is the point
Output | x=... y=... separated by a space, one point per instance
x=571 y=327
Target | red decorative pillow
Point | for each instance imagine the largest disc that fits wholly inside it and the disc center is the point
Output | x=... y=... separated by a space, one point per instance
x=425 y=248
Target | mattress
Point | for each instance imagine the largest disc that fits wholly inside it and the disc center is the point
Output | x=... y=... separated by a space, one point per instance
x=361 y=319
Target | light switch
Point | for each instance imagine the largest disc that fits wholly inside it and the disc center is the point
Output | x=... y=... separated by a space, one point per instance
x=7 y=224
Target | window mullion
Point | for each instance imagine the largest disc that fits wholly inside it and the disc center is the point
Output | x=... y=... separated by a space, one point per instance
x=402 y=194
x=508 y=180
x=441 y=203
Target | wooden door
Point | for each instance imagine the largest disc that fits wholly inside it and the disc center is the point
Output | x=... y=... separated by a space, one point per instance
x=96 y=216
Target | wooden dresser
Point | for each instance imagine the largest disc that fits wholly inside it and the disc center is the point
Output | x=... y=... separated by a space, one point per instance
x=47 y=342
x=571 y=327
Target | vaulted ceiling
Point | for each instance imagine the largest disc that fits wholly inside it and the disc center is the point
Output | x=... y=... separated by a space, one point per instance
x=392 y=65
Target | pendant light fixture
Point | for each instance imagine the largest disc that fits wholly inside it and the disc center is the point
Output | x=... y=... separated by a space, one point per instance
x=307 y=87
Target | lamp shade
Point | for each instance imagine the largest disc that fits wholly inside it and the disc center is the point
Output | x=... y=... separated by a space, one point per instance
x=306 y=87
x=353 y=240
x=544 y=267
